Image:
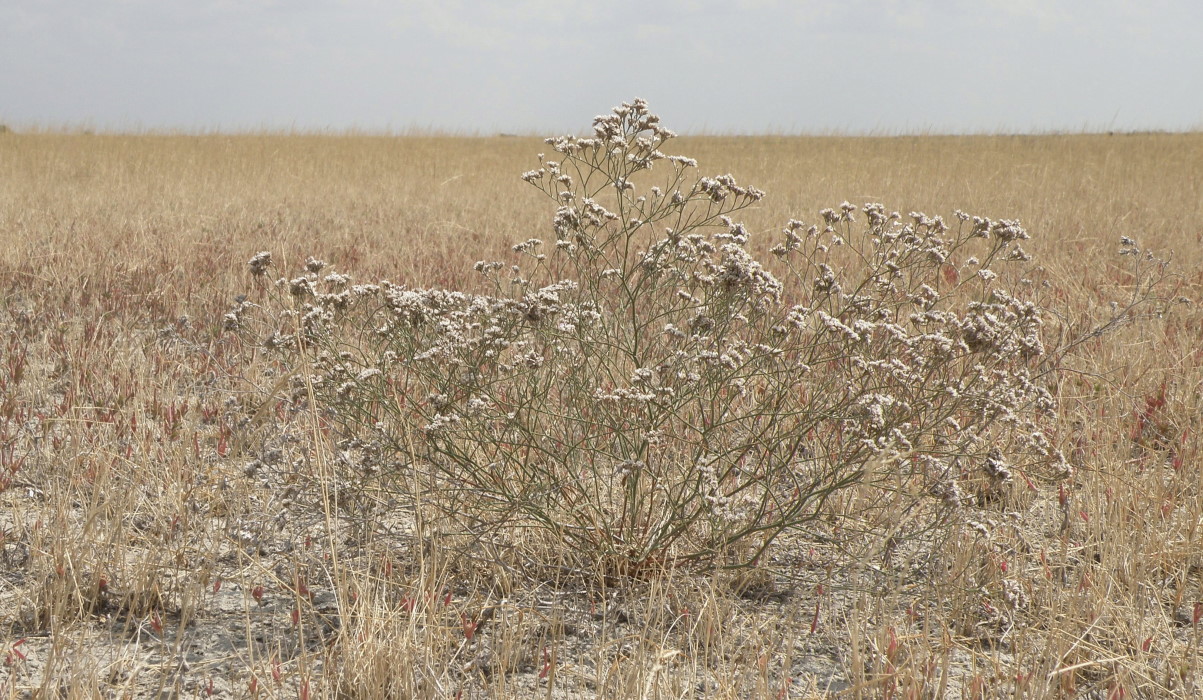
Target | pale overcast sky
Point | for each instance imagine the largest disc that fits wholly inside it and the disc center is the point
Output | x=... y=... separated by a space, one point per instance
x=549 y=65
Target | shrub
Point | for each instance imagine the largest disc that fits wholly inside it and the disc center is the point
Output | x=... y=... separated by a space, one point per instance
x=643 y=391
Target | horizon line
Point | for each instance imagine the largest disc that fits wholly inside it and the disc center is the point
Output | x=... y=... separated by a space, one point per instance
x=86 y=129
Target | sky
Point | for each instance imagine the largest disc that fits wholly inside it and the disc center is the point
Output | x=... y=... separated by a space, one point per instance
x=548 y=66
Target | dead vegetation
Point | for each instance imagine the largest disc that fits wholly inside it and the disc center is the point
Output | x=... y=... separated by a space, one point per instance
x=167 y=528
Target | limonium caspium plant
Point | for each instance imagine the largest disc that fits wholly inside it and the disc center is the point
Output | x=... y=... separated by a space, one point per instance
x=640 y=390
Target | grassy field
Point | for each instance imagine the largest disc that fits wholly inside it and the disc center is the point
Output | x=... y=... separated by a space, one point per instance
x=161 y=534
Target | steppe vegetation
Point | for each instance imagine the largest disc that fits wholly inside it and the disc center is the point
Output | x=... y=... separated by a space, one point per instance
x=195 y=501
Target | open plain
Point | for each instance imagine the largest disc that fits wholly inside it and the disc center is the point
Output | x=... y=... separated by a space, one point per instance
x=172 y=527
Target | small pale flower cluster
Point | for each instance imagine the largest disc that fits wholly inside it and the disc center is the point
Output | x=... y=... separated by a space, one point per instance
x=486 y=267
x=875 y=407
x=845 y=214
x=723 y=186
x=441 y=423
x=1006 y=328
x=624 y=396
x=232 y=321
x=528 y=246
x=727 y=507
x=1005 y=230
x=630 y=134
x=260 y=262
x=996 y=467
x=739 y=272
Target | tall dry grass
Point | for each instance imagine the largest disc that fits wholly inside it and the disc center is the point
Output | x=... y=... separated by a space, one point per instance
x=159 y=532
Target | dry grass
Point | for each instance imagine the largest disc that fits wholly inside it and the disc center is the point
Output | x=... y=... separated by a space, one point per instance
x=158 y=535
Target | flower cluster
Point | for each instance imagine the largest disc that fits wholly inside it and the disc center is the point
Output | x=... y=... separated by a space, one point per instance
x=643 y=386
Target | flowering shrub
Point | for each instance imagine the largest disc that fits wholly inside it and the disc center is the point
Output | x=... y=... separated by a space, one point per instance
x=642 y=390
